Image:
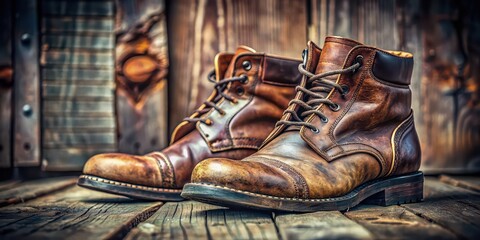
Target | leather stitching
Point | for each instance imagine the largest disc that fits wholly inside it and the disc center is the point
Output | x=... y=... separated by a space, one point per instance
x=398 y=138
x=97 y=179
x=289 y=171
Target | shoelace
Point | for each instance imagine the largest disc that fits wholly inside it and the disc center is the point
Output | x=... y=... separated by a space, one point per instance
x=314 y=96
x=220 y=87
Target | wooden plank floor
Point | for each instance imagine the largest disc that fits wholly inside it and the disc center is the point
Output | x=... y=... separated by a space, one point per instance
x=57 y=209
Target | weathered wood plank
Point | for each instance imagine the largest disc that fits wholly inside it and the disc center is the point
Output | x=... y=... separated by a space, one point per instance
x=395 y=222
x=79 y=8
x=194 y=220
x=53 y=137
x=78 y=58
x=200 y=29
x=6 y=74
x=75 y=213
x=78 y=82
x=77 y=74
x=26 y=85
x=142 y=65
x=68 y=122
x=467 y=182
x=102 y=42
x=8 y=184
x=74 y=24
x=73 y=91
x=32 y=189
x=451 y=207
x=54 y=157
x=319 y=225
x=84 y=107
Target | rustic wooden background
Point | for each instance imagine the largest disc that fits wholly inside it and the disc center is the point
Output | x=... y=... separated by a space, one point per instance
x=81 y=77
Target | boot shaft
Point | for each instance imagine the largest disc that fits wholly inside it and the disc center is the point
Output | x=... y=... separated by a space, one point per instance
x=258 y=102
x=374 y=114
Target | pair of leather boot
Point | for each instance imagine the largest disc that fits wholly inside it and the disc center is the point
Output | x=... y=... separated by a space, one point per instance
x=323 y=134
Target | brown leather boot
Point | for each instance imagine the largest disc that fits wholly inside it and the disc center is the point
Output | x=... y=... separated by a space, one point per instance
x=347 y=136
x=251 y=91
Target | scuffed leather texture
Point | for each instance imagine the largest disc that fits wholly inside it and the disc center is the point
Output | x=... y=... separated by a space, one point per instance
x=234 y=135
x=391 y=68
x=353 y=147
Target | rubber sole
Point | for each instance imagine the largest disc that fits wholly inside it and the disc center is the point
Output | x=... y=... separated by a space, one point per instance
x=129 y=190
x=385 y=192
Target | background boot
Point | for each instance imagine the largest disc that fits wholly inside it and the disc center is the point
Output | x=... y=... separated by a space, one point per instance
x=251 y=91
x=348 y=135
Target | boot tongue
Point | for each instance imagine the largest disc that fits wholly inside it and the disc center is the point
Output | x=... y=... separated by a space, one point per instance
x=231 y=66
x=334 y=52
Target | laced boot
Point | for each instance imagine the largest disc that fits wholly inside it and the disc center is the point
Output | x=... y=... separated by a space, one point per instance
x=251 y=90
x=348 y=136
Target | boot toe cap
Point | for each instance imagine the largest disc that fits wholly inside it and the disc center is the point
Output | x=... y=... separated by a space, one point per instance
x=124 y=168
x=254 y=177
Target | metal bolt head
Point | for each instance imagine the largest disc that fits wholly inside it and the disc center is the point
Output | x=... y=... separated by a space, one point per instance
x=25 y=38
x=27 y=110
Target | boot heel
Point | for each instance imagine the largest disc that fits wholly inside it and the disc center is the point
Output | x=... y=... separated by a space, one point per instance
x=398 y=194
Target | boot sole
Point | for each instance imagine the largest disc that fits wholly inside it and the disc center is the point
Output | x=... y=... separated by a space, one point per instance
x=385 y=192
x=129 y=190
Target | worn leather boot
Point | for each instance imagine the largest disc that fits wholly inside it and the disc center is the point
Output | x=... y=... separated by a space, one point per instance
x=348 y=136
x=251 y=91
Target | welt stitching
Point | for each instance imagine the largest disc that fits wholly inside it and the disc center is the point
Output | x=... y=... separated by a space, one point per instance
x=97 y=179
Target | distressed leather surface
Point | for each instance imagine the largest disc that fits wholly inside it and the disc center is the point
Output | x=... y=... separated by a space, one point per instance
x=371 y=136
x=235 y=135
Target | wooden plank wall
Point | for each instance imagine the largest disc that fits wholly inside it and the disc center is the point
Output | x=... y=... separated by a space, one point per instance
x=6 y=74
x=141 y=70
x=443 y=35
x=198 y=30
x=77 y=67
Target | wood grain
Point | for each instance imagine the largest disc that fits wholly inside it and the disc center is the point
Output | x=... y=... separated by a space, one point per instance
x=26 y=85
x=24 y=191
x=467 y=182
x=199 y=29
x=451 y=207
x=319 y=225
x=6 y=75
x=78 y=82
x=194 y=220
x=142 y=65
x=395 y=222
x=75 y=212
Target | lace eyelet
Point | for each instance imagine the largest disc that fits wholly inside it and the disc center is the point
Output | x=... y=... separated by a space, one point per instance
x=345 y=90
x=335 y=107
x=324 y=119
x=240 y=91
x=245 y=81
x=234 y=101
x=247 y=65
x=315 y=130
x=359 y=60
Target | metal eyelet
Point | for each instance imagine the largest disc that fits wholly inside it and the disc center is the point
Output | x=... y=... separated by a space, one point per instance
x=247 y=65
x=345 y=90
x=315 y=130
x=209 y=122
x=359 y=60
x=245 y=81
x=324 y=119
x=240 y=91
x=335 y=107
